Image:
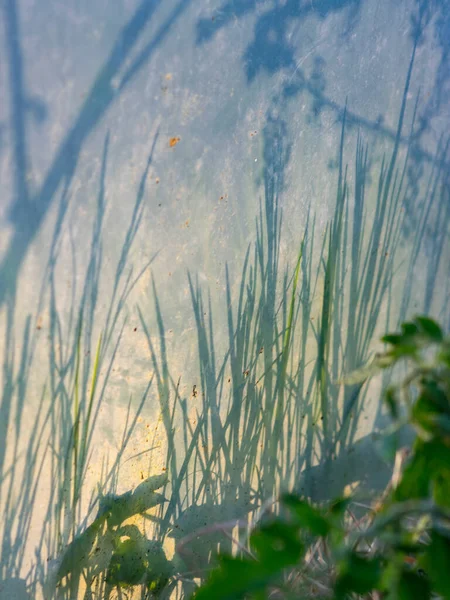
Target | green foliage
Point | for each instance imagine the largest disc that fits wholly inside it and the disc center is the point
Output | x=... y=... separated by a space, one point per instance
x=137 y=560
x=403 y=552
x=276 y=546
x=102 y=549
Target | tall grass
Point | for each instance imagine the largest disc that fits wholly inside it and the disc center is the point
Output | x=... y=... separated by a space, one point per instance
x=61 y=447
x=268 y=412
x=271 y=413
x=77 y=394
x=24 y=462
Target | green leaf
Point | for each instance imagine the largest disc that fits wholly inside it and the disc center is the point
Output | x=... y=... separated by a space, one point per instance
x=233 y=579
x=443 y=423
x=390 y=577
x=138 y=560
x=144 y=496
x=406 y=545
x=441 y=488
x=443 y=355
x=437 y=563
x=306 y=515
x=415 y=482
x=403 y=345
x=437 y=455
x=430 y=328
x=386 y=360
x=128 y=564
x=409 y=329
x=77 y=553
x=435 y=394
x=277 y=545
x=411 y=585
x=394 y=339
x=338 y=507
x=357 y=574
x=151 y=484
x=122 y=507
x=423 y=413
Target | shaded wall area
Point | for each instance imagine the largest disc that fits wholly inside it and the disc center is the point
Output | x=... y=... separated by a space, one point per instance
x=209 y=213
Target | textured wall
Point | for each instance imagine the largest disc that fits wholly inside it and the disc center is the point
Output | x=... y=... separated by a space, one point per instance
x=150 y=134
